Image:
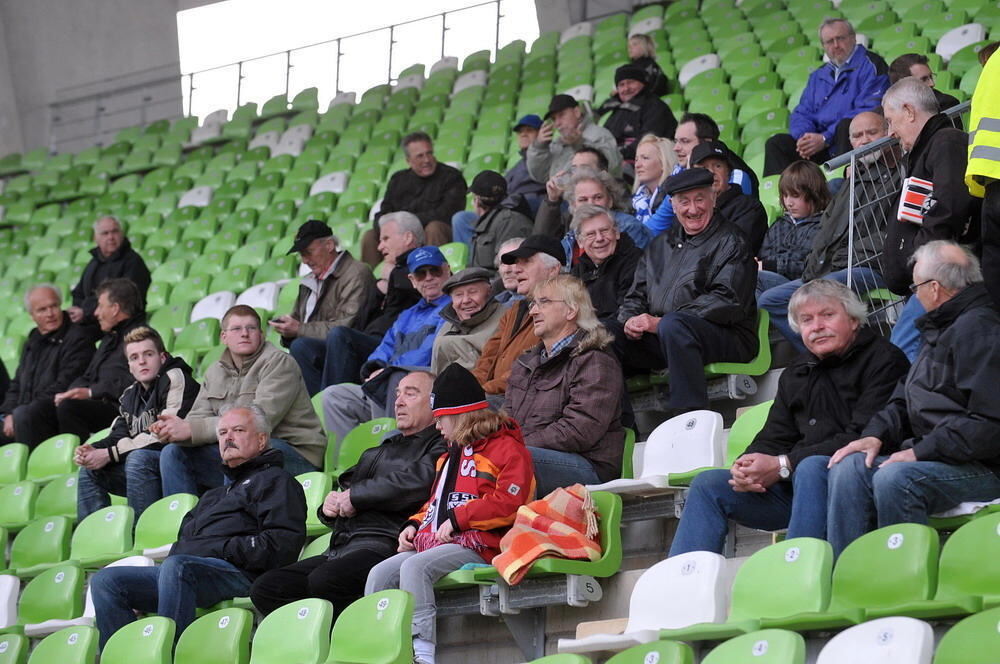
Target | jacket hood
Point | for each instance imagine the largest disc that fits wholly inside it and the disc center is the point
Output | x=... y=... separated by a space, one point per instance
x=934 y=322
x=175 y=362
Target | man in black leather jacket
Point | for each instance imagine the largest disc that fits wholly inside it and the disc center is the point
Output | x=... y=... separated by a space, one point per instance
x=376 y=497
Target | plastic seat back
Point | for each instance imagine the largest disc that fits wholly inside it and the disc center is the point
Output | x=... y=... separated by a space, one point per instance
x=974 y=640
x=661 y=652
x=746 y=426
x=316 y=486
x=10 y=585
x=13 y=462
x=297 y=632
x=686 y=442
x=57 y=498
x=104 y=536
x=220 y=637
x=767 y=646
x=13 y=649
x=52 y=458
x=55 y=594
x=803 y=564
x=698 y=593
x=884 y=641
x=362 y=437
x=41 y=542
x=17 y=503
x=969 y=560
x=73 y=645
x=146 y=641
x=375 y=629
x=885 y=567
x=159 y=524
x=316 y=547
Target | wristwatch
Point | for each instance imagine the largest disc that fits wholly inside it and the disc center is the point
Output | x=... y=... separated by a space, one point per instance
x=785 y=469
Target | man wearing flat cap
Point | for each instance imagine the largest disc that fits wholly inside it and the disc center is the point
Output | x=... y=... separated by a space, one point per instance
x=499 y=218
x=549 y=155
x=338 y=291
x=692 y=300
x=469 y=321
x=743 y=210
x=635 y=111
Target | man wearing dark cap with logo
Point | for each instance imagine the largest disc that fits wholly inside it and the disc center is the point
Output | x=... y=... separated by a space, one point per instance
x=407 y=345
x=337 y=291
x=692 y=301
x=539 y=257
x=500 y=218
x=470 y=319
x=635 y=111
x=745 y=211
x=549 y=155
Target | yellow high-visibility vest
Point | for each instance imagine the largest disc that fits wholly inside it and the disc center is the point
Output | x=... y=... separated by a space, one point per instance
x=984 y=130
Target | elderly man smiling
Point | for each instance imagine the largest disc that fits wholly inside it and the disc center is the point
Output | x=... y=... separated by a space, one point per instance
x=470 y=319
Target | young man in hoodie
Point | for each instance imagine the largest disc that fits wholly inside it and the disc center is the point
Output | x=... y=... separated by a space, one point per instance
x=128 y=460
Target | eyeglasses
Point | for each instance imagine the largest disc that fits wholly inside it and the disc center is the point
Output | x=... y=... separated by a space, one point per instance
x=590 y=236
x=542 y=302
x=240 y=329
x=915 y=287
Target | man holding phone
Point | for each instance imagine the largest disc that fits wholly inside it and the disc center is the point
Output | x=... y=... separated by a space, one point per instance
x=549 y=155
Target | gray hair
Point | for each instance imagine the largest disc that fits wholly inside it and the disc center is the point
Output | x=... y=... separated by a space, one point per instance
x=826 y=289
x=113 y=218
x=610 y=184
x=506 y=243
x=31 y=291
x=407 y=222
x=937 y=262
x=256 y=413
x=833 y=21
x=912 y=91
x=587 y=212
x=549 y=261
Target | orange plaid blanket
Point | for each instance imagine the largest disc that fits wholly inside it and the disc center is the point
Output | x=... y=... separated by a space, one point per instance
x=563 y=524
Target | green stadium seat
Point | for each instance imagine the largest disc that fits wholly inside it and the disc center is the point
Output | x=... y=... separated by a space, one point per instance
x=317 y=547
x=768 y=646
x=362 y=437
x=457 y=254
x=171 y=317
x=236 y=278
x=17 y=505
x=253 y=255
x=271 y=231
x=298 y=632
x=13 y=649
x=974 y=640
x=375 y=628
x=277 y=269
x=316 y=486
x=103 y=537
x=760 y=364
x=219 y=637
x=765 y=124
x=13 y=462
x=170 y=273
x=226 y=240
x=57 y=498
x=145 y=641
x=562 y=658
x=41 y=544
x=157 y=527
x=72 y=645
x=52 y=458
x=200 y=334
x=936 y=25
x=663 y=652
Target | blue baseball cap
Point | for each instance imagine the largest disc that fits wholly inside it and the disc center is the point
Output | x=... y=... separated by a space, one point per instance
x=424 y=256
x=532 y=121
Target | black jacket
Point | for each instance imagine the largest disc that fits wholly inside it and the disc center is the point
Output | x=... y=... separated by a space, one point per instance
x=787 y=244
x=124 y=263
x=711 y=275
x=746 y=212
x=823 y=404
x=656 y=81
x=173 y=393
x=940 y=154
x=399 y=295
x=630 y=121
x=609 y=282
x=946 y=409
x=257 y=522
x=496 y=226
x=49 y=363
x=107 y=375
x=433 y=198
x=388 y=485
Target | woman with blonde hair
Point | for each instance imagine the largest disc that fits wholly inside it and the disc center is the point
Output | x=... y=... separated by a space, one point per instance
x=655 y=160
x=642 y=53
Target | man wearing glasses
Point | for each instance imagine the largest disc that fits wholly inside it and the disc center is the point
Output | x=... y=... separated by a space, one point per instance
x=251 y=370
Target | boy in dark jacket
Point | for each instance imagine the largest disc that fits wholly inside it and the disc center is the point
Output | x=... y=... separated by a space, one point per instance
x=128 y=460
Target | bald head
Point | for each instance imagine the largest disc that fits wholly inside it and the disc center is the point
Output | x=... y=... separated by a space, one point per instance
x=867 y=127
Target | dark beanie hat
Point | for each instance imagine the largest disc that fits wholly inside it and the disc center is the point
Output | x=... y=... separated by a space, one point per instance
x=631 y=72
x=457 y=391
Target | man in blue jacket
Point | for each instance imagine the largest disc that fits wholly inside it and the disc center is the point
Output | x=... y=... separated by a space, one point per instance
x=406 y=346
x=851 y=82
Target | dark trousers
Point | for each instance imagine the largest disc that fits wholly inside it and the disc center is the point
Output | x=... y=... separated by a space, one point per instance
x=685 y=344
x=338 y=576
x=991 y=239
x=34 y=423
x=779 y=151
x=83 y=417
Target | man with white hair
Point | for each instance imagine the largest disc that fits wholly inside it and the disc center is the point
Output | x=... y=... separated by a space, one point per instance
x=113 y=258
x=255 y=523
x=936 y=152
x=936 y=443
x=824 y=399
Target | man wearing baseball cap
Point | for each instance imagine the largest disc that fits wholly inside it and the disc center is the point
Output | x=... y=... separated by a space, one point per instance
x=635 y=111
x=692 y=299
x=338 y=291
x=470 y=319
x=538 y=258
x=406 y=346
x=549 y=155
x=499 y=218
x=745 y=211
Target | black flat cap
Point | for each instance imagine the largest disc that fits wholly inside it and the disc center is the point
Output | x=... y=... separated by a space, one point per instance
x=689 y=178
x=535 y=244
x=309 y=231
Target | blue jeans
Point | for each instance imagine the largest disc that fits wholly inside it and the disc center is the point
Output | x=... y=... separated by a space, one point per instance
x=862 y=498
x=192 y=470
x=775 y=300
x=137 y=478
x=463 y=226
x=767 y=280
x=334 y=360
x=904 y=333
x=554 y=469
x=293 y=462
x=799 y=505
x=172 y=590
